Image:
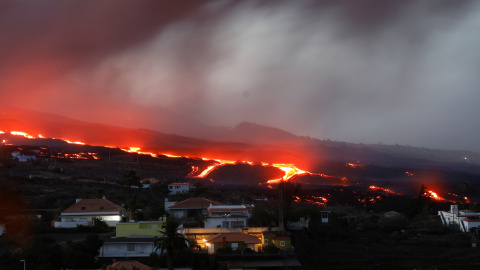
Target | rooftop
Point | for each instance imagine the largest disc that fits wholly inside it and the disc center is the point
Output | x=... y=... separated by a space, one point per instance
x=128 y=265
x=195 y=203
x=233 y=237
x=229 y=208
x=93 y=205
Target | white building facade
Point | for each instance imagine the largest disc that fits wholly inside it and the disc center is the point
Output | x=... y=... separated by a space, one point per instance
x=464 y=220
x=86 y=211
x=127 y=247
x=228 y=216
x=178 y=188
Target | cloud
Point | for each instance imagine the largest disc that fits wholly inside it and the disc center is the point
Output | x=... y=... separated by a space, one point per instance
x=365 y=71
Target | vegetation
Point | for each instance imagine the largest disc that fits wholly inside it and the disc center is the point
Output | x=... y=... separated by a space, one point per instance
x=171 y=241
x=358 y=235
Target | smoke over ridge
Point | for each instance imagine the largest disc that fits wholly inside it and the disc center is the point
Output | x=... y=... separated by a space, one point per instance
x=361 y=71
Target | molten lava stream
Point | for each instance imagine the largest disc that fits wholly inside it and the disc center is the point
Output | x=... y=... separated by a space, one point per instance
x=290 y=170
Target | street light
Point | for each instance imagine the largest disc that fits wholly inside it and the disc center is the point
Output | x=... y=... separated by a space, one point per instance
x=23 y=264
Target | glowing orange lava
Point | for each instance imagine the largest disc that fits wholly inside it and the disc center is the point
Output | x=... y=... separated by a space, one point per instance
x=19 y=133
x=386 y=190
x=70 y=142
x=434 y=195
x=355 y=165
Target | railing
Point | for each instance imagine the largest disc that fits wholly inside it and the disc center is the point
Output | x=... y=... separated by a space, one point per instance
x=126 y=254
x=70 y=224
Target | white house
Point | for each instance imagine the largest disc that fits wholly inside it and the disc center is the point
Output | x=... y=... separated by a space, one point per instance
x=147 y=182
x=191 y=207
x=465 y=220
x=85 y=211
x=127 y=247
x=21 y=157
x=178 y=188
x=228 y=216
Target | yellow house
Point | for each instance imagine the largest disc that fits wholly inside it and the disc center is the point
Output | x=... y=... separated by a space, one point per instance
x=141 y=228
x=279 y=240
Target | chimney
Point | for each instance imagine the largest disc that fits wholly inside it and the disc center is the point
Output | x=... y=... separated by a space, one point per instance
x=454 y=209
x=224 y=242
x=77 y=200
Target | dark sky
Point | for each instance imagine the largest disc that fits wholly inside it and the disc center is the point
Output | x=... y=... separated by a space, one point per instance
x=371 y=71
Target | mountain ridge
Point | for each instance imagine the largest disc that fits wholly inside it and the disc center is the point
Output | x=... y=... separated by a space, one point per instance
x=248 y=141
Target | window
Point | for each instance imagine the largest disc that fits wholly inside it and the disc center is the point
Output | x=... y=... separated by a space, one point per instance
x=130 y=247
x=101 y=207
x=234 y=245
x=237 y=224
x=83 y=207
x=282 y=243
x=225 y=224
x=266 y=241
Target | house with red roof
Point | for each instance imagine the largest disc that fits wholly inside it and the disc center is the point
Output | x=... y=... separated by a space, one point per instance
x=278 y=239
x=128 y=265
x=464 y=220
x=179 y=188
x=191 y=207
x=235 y=241
x=228 y=216
x=85 y=211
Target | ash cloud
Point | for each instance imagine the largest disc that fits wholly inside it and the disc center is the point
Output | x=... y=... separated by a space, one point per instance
x=361 y=71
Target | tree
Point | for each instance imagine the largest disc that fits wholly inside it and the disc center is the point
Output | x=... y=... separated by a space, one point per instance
x=7 y=161
x=84 y=254
x=129 y=179
x=464 y=187
x=43 y=253
x=171 y=241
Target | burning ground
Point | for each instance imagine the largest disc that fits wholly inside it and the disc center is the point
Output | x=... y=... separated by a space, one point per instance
x=366 y=184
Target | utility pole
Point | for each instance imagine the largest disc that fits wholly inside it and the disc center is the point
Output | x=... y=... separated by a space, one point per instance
x=280 y=208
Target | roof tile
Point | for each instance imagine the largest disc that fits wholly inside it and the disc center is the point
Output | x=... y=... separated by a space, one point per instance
x=195 y=203
x=93 y=205
x=233 y=237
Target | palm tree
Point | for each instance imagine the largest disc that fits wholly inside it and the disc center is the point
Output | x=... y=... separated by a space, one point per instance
x=171 y=241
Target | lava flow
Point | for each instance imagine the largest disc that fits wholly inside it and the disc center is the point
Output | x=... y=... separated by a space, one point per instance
x=386 y=190
x=290 y=170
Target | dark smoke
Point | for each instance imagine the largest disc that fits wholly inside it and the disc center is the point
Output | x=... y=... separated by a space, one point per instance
x=361 y=71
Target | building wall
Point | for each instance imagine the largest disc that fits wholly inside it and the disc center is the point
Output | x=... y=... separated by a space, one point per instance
x=127 y=250
x=213 y=247
x=139 y=228
x=458 y=218
x=278 y=243
x=177 y=189
x=178 y=213
x=86 y=220
x=216 y=222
